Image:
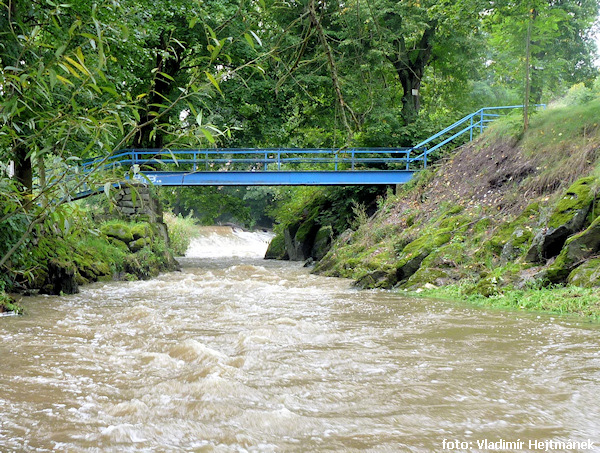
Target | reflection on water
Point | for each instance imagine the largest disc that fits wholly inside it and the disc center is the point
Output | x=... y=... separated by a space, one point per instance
x=239 y=354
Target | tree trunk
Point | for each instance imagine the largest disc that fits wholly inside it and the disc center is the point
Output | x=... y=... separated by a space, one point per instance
x=410 y=66
x=23 y=169
x=12 y=49
x=527 y=73
x=162 y=87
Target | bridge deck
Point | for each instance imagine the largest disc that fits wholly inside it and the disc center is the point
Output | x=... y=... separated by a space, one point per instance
x=280 y=178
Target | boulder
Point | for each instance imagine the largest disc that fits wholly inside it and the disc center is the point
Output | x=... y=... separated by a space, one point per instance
x=139 y=244
x=516 y=245
x=322 y=242
x=587 y=275
x=142 y=230
x=277 y=250
x=118 y=231
x=426 y=277
x=61 y=279
x=568 y=217
x=575 y=252
x=385 y=279
x=415 y=252
x=300 y=237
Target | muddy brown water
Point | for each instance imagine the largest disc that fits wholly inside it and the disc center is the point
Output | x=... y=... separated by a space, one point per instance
x=238 y=354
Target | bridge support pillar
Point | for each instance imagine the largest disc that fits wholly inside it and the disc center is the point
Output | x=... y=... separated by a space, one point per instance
x=138 y=202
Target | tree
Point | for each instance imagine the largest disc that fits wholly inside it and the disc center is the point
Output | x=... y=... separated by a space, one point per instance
x=549 y=41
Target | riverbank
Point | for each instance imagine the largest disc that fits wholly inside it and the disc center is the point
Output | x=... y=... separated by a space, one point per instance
x=94 y=244
x=509 y=220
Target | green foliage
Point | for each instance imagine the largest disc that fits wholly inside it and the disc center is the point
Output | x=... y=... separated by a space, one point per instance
x=7 y=304
x=181 y=232
x=558 y=43
x=560 y=300
x=210 y=205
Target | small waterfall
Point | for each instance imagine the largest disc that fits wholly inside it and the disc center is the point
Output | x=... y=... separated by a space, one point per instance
x=215 y=242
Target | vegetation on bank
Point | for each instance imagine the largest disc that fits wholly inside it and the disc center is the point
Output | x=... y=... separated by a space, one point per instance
x=562 y=300
x=181 y=232
x=512 y=219
x=85 y=246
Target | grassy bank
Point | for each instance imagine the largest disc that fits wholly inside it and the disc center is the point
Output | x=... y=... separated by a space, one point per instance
x=509 y=220
x=560 y=300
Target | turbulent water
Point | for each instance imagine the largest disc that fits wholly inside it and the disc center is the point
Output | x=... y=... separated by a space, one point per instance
x=238 y=354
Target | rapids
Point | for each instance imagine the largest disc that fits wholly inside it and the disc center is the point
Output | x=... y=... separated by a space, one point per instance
x=238 y=354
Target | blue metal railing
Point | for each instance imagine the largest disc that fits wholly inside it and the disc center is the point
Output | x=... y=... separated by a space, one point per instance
x=290 y=160
x=265 y=159
x=475 y=122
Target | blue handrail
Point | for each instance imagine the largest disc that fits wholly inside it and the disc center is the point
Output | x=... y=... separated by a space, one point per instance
x=291 y=160
x=483 y=119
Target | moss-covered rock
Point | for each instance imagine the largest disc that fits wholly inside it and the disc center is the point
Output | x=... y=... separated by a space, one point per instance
x=117 y=230
x=142 y=230
x=487 y=287
x=138 y=244
x=513 y=237
x=576 y=250
x=516 y=245
x=322 y=242
x=573 y=208
x=414 y=253
x=61 y=279
x=143 y=266
x=384 y=279
x=587 y=275
x=299 y=237
x=276 y=249
x=568 y=216
x=428 y=275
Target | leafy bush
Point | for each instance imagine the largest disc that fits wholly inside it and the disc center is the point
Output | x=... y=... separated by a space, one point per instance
x=181 y=232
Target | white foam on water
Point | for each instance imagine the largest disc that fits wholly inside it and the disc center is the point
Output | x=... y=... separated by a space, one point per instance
x=215 y=242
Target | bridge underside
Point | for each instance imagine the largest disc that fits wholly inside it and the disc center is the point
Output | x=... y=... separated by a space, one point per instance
x=278 y=178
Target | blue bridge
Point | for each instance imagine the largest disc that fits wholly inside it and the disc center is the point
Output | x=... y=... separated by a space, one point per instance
x=284 y=166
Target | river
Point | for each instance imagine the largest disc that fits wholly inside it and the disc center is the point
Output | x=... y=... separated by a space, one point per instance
x=238 y=354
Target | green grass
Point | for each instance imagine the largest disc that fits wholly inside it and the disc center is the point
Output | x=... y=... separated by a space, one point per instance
x=567 y=300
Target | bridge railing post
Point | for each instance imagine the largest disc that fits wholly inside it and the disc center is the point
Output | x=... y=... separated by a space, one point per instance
x=278 y=159
x=336 y=160
x=352 y=158
x=481 y=123
x=206 y=159
x=266 y=165
x=471 y=131
x=195 y=165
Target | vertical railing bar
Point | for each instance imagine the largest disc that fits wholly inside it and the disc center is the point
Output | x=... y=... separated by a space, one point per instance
x=471 y=131
x=481 y=122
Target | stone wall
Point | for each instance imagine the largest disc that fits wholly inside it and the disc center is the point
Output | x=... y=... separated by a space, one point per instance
x=138 y=202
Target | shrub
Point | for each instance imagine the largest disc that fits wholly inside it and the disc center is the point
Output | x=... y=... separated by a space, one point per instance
x=181 y=232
